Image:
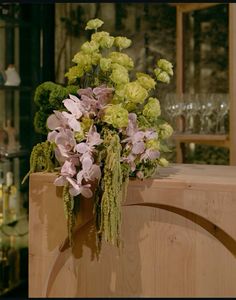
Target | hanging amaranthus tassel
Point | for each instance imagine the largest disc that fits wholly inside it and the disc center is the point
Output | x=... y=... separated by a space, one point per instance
x=109 y=210
x=69 y=211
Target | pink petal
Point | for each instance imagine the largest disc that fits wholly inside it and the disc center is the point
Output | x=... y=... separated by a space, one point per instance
x=53 y=122
x=74 y=124
x=138 y=148
x=81 y=147
x=52 y=136
x=60 y=181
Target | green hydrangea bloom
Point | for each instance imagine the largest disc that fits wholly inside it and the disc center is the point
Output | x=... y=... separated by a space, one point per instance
x=105 y=64
x=135 y=93
x=162 y=76
x=107 y=42
x=82 y=59
x=94 y=24
x=89 y=47
x=74 y=73
x=122 y=42
x=122 y=59
x=119 y=74
x=98 y=36
x=115 y=115
x=165 y=130
x=95 y=58
x=166 y=66
x=146 y=81
x=152 y=109
x=119 y=95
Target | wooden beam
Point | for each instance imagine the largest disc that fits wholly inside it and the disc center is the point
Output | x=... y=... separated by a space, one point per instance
x=187 y=7
x=179 y=51
x=232 y=81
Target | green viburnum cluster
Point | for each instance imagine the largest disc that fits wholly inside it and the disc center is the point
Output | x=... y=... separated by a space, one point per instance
x=102 y=67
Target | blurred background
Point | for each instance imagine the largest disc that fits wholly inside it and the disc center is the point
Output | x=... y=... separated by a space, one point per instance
x=37 y=44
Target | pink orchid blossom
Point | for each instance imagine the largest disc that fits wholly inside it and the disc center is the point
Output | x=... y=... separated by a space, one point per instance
x=56 y=121
x=150 y=154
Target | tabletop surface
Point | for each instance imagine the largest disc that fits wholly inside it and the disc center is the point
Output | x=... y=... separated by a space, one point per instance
x=176 y=173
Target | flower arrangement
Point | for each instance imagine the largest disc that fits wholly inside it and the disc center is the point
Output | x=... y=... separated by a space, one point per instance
x=102 y=128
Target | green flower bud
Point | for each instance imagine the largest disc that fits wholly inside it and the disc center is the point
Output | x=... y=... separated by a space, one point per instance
x=135 y=93
x=119 y=74
x=74 y=73
x=89 y=47
x=146 y=81
x=98 y=36
x=122 y=42
x=162 y=75
x=115 y=115
x=166 y=66
x=165 y=130
x=122 y=59
x=94 y=24
x=152 y=109
x=107 y=42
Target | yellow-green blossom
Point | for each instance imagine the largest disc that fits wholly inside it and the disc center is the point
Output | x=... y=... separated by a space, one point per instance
x=95 y=58
x=153 y=144
x=74 y=73
x=163 y=162
x=152 y=109
x=98 y=36
x=89 y=47
x=105 y=64
x=135 y=93
x=146 y=81
x=115 y=115
x=162 y=76
x=119 y=74
x=165 y=65
x=130 y=106
x=107 y=42
x=82 y=59
x=122 y=59
x=119 y=95
x=94 y=24
x=122 y=42
x=165 y=130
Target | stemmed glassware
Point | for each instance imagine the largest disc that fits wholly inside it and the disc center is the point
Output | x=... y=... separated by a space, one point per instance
x=197 y=113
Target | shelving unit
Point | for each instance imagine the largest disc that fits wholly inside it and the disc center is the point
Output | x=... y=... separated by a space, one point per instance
x=27 y=39
x=228 y=141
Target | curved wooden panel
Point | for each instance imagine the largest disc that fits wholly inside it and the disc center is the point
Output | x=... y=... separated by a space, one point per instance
x=163 y=255
x=178 y=231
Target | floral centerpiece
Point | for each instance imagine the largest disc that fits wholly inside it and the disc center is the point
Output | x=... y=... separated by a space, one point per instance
x=102 y=128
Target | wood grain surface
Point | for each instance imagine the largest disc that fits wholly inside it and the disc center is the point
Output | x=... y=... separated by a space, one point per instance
x=178 y=239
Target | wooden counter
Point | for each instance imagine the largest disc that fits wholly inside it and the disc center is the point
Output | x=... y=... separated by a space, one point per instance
x=178 y=232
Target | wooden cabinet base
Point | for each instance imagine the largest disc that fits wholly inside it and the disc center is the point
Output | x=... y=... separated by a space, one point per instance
x=178 y=239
